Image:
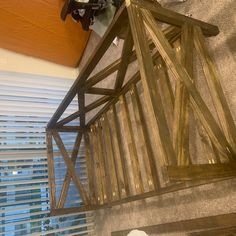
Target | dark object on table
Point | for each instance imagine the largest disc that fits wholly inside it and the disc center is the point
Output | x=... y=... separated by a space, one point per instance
x=86 y=11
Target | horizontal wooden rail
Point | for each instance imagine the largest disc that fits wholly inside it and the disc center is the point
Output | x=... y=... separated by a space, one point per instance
x=202 y=171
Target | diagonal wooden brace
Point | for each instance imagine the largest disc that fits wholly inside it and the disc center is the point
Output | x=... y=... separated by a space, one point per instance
x=71 y=168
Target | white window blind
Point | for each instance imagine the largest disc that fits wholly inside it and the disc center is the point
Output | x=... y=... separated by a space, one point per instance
x=27 y=102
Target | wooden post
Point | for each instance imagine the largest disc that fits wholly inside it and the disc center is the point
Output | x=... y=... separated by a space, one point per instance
x=51 y=171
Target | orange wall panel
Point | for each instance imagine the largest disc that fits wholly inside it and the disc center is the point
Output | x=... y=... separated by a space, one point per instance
x=34 y=28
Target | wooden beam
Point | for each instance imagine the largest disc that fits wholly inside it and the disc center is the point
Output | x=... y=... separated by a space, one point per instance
x=152 y=96
x=68 y=118
x=171 y=17
x=125 y=58
x=112 y=31
x=120 y=151
x=202 y=171
x=97 y=103
x=164 y=190
x=70 y=168
x=51 y=170
x=184 y=226
x=67 y=129
x=204 y=114
x=100 y=91
x=107 y=171
x=181 y=109
x=67 y=178
x=89 y=168
x=109 y=158
x=148 y=155
x=215 y=89
x=104 y=186
x=129 y=136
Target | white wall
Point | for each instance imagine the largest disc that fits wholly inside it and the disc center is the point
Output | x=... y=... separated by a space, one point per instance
x=14 y=62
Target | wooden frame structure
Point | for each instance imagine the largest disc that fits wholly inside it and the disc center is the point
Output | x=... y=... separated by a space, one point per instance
x=138 y=146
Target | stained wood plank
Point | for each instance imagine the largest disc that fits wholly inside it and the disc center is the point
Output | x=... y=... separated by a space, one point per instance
x=120 y=152
x=97 y=103
x=125 y=58
x=165 y=89
x=154 y=103
x=68 y=119
x=109 y=159
x=129 y=137
x=171 y=17
x=95 y=175
x=116 y=157
x=106 y=171
x=101 y=91
x=164 y=190
x=71 y=168
x=51 y=170
x=181 y=109
x=201 y=109
x=98 y=175
x=70 y=128
x=202 y=171
x=215 y=89
x=148 y=155
x=67 y=178
x=89 y=168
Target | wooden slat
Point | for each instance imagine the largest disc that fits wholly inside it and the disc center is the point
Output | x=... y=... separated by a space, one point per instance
x=98 y=175
x=164 y=84
x=68 y=118
x=171 y=17
x=179 y=72
x=154 y=103
x=120 y=152
x=81 y=103
x=100 y=91
x=67 y=178
x=70 y=167
x=181 y=109
x=89 y=168
x=109 y=159
x=97 y=103
x=67 y=129
x=104 y=165
x=209 y=222
x=129 y=137
x=51 y=171
x=125 y=58
x=202 y=171
x=148 y=155
x=116 y=157
x=105 y=42
x=215 y=89
x=164 y=190
x=95 y=175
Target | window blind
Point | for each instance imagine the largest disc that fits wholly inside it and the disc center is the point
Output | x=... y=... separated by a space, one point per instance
x=27 y=102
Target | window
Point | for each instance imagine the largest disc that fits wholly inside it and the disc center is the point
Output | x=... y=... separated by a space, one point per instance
x=27 y=102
